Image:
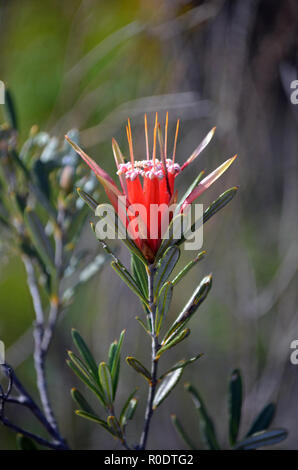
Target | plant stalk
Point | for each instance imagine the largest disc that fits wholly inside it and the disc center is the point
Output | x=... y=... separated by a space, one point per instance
x=154 y=361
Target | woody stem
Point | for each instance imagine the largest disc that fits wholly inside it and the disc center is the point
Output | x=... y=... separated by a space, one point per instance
x=154 y=360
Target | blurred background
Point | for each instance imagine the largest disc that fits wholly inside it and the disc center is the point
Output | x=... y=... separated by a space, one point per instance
x=90 y=64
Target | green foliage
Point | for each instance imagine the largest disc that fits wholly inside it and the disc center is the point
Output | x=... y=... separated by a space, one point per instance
x=102 y=380
x=258 y=435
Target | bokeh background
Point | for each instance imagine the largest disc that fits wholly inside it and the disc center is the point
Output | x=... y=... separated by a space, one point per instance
x=89 y=64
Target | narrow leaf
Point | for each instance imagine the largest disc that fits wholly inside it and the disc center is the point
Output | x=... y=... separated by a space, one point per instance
x=181 y=431
x=219 y=203
x=89 y=200
x=182 y=364
x=85 y=352
x=167 y=385
x=163 y=303
x=207 y=182
x=138 y=367
x=129 y=412
x=106 y=381
x=129 y=281
x=199 y=148
x=188 y=267
x=86 y=380
x=123 y=415
x=176 y=339
x=206 y=423
x=263 y=420
x=95 y=419
x=190 y=308
x=116 y=363
x=263 y=438
x=81 y=401
x=165 y=266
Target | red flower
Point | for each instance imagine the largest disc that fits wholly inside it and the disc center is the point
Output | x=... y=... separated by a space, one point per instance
x=149 y=183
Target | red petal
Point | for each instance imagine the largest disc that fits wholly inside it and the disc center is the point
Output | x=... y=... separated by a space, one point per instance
x=199 y=148
x=206 y=182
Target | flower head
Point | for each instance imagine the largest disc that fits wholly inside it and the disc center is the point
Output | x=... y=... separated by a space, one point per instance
x=150 y=183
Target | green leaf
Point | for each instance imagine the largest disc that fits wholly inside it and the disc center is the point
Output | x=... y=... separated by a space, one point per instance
x=219 y=203
x=89 y=200
x=85 y=353
x=95 y=419
x=263 y=420
x=115 y=367
x=24 y=443
x=123 y=415
x=176 y=338
x=235 y=405
x=165 y=267
x=167 y=385
x=39 y=238
x=261 y=439
x=146 y=328
x=206 y=423
x=181 y=364
x=111 y=355
x=138 y=367
x=129 y=281
x=140 y=274
x=85 y=378
x=106 y=381
x=81 y=401
x=190 y=308
x=188 y=267
x=129 y=411
x=215 y=207
x=181 y=431
x=163 y=303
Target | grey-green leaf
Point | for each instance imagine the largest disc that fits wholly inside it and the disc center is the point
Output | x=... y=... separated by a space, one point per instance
x=190 y=308
x=85 y=352
x=176 y=339
x=167 y=385
x=89 y=200
x=95 y=419
x=81 y=401
x=139 y=367
x=263 y=438
x=263 y=420
x=163 y=303
x=106 y=381
x=165 y=266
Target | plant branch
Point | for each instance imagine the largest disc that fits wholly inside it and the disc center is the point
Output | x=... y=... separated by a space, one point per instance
x=25 y=399
x=154 y=360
